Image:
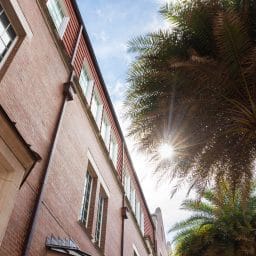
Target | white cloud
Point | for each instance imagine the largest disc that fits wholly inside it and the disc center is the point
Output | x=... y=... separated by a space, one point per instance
x=101 y=36
x=157 y=22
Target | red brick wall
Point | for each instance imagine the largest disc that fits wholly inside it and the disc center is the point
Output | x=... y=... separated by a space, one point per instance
x=31 y=94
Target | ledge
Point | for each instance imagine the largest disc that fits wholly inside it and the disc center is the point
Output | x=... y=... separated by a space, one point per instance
x=16 y=143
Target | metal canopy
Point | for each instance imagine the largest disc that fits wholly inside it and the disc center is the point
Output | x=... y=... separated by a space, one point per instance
x=66 y=246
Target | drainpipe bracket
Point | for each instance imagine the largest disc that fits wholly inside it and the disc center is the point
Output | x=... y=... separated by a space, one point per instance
x=69 y=91
x=125 y=211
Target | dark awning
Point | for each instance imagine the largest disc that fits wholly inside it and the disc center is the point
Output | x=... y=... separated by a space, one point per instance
x=66 y=246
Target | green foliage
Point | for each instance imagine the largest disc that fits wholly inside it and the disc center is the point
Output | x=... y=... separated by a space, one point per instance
x=222 y=224
x=193 y=86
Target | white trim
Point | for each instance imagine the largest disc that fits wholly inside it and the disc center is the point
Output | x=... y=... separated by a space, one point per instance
x=64 y=23
x=90 y=195
x=15 y=5
x=135 y=249
x=99 y=107
x=87 y=92
x=97 y=172
x=63 y=26
x=101 y=220
x=106 y=135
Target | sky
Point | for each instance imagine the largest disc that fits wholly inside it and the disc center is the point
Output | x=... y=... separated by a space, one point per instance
x=110 y=25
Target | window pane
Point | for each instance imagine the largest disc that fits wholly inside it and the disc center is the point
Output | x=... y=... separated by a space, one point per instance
x=113 y=151
x=142 y=222
x=133 y=199
x=56 y=12
x=2 y=47
x=4 y=20
x=137 y=212
x=87 y=197
x=96 y=108
x=105 y=131
x=7 y=34
x=84 y=80
x=86 y=83
x=127 y=186
x=99 y=220
x=2 y=28
x=6 y=38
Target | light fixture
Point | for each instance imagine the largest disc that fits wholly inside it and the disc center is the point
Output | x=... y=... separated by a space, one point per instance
x=166 y=151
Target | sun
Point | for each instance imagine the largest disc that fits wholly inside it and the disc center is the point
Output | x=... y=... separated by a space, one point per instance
x=166 y=151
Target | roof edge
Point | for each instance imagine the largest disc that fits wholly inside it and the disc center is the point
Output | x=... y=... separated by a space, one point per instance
x=94 y=59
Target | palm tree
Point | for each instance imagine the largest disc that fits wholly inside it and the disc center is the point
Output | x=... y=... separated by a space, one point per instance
x=193 y=86
x=222 y=224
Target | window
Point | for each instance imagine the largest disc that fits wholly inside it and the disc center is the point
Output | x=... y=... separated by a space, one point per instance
x=137 y=212
x=135 y=251
x=133 y=199
x=105 y=131
x=99 y=222
x=7 y=33
x=127 y=186
x=86 y=83
x=86 y=199
x=59 y=15
x=96 y=108
x=113 y=150
x=142 y=222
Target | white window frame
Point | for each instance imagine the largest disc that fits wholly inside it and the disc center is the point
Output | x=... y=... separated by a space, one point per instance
x=86 y=86
x=22 y=29
x=99 y=220
x=127 y=186
x=105 y=134
x=62 y=26
x=142 y=222
x=137 y=211
x=135 y=250
x=99 y=110
x=133 y=199
x=4 y=35
x=89 y=200
x=113 y=149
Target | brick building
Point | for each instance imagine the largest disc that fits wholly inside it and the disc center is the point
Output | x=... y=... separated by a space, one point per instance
x=161 y=246
x=67 y=184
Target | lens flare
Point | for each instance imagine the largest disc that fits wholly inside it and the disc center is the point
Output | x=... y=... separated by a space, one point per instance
x=166 y=151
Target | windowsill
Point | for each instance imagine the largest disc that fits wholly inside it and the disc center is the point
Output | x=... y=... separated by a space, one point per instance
x=90 y=236
x=85 y=229
x=99 y=249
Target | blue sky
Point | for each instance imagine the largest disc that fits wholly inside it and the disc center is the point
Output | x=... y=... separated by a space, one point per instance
x=111 y=24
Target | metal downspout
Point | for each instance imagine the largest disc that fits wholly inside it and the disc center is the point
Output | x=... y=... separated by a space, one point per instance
x=67 y=97
x=123 y=208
